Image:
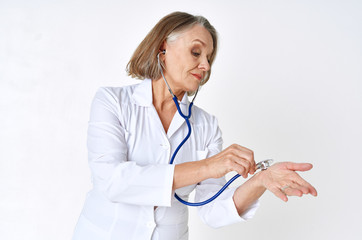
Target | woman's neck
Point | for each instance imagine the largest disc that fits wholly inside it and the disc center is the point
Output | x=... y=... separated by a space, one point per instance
x=161 y=97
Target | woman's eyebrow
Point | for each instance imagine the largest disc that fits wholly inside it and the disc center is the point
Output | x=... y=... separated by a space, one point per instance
x=198 y=40
x=202 y=43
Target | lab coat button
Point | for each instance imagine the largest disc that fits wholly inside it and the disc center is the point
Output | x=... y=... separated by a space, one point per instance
x=151 y=224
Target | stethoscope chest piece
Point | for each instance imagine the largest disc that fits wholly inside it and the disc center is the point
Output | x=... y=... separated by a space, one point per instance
x=264 y=165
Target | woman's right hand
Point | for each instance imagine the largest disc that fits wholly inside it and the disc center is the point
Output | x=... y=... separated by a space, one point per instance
x=234 y=158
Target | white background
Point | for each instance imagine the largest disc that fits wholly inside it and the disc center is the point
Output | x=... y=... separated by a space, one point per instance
x=287 y=83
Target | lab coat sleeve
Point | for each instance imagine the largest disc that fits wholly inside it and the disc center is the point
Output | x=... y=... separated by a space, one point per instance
x=222 y=211
x=118 y=179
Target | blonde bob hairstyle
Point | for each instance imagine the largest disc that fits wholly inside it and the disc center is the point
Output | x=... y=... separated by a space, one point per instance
x=143 y=63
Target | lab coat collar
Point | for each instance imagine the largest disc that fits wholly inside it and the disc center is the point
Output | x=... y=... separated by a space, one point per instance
x=142 y=96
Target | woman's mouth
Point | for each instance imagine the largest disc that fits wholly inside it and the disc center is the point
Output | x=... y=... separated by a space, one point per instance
x=198 y=76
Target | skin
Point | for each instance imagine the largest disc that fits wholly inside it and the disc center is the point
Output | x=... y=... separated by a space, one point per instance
x=186 y=63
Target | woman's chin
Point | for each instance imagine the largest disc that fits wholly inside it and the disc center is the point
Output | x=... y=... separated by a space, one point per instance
x=194 y=85
x=193 y=88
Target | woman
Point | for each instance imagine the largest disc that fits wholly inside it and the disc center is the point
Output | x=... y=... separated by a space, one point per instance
x=134 y=130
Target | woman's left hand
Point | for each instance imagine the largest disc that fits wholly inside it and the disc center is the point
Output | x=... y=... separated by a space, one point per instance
x=282 y=180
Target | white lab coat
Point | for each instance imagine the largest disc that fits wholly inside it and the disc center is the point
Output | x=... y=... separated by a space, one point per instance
x=129 y=152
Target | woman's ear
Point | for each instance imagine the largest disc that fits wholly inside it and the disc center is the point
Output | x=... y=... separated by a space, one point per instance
x=163 y=48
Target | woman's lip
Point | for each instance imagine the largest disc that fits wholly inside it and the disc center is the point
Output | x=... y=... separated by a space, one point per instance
x=198 y=76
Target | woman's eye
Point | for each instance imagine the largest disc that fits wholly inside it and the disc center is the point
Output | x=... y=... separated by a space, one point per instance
x=196 y=54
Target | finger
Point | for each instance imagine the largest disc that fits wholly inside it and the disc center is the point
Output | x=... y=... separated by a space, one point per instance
x=298 y=179
x=233 y=165
x=302 y=188
x=239 y=169
x=238 y=164
x=292 y=190
x=312 y=190
x=280 y=194
x=250 y=159
x=295 y=185
x=246 y=154
x=244 y=163
x=299 y=166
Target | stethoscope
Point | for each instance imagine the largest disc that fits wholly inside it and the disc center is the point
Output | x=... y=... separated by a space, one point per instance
x=263 y=165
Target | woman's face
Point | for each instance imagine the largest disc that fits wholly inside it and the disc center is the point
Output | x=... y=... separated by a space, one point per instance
x=187 y=58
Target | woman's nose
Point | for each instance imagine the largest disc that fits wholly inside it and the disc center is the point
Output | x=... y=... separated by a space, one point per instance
x=205 y=65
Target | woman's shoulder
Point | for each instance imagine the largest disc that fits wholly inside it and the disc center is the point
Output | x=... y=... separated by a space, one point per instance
x=116 y=94
x=202 y=117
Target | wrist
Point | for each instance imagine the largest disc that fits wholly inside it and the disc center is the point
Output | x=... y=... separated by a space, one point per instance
x=205 y=168
x=258 y=179
x=246 y=194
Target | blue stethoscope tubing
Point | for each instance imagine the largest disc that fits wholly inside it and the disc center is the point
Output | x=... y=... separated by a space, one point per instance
x=179 y=147
x=185 y=139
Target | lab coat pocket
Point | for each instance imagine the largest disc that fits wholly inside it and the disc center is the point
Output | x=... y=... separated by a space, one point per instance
x=201 y=154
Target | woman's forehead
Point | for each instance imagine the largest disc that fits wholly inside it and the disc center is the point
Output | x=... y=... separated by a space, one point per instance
x=197 y=34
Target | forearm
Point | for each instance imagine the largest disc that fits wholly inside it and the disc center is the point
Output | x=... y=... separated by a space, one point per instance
x=248 y=193
x=189 y=173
